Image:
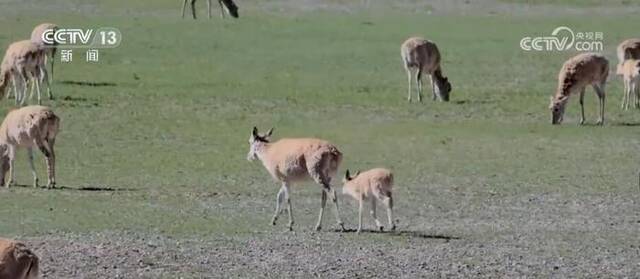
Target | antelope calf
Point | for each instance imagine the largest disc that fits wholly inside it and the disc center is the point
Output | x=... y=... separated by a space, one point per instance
x=630 y=71
x=227 y=5
x=26 y=127
x=17 y=261
x=291 y=160
x=49 y=52
x=576 y=73
x=628 y=49
x=23 y=62
x=422 y=56
x=374 y=184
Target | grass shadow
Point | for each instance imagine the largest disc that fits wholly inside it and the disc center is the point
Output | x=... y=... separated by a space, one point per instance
x=413 y=234
x=88 y=83
x=467 y=101
x=626 y=124
x=83 y=188
x=95 y=189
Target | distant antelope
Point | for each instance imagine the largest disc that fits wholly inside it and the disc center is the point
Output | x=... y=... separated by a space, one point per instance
x=576 y=73
x=27 y=127
x=631 y=75
x=23 y=62
x=374 y=184
x=291 y=160
x=49 y=51
x=423 y=56
x=628 y=49
x=17 y=261
x=227 y=5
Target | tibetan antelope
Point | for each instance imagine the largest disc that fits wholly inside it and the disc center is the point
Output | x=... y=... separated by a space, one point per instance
x=17 y=261
x=23 y=63
x=631 y=74
x=372 y=185
x=26 y=127
x=628 y=49
x=49 y=51
x=227 y=5
x=291 y=160
x=576 y=74
x=423 y=57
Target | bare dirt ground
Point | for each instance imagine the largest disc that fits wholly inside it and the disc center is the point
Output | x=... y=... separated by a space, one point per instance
x=537 y=236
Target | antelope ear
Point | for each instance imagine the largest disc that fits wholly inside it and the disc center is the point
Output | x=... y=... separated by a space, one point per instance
x=254 y=133
x=563 y=98
x=346 y=175
x=269 y=133
x=357 y=173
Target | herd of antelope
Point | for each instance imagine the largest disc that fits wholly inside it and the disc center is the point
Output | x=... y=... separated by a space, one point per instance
x=288 y=160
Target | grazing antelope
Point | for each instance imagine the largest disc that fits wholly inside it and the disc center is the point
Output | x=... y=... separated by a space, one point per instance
x=374 y=184
x=17 y=261
x=291 y=160
x=227 y=5
x=49 y=52
x=423 y=56
x=576 y=73
x=628 y=49
x=23 y=62
x=26 y=127
x=630 y=71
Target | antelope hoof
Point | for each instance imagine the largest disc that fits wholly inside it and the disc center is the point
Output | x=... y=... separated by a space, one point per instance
x=581 y=121
x=12 y=183
x=342 y=229
x=393 y=228
x=35 y=183
x=51 y=185
x=273 y=221
x=318 y=228
x=600 y=122
x=359 y=231
x=381 y=228
x=291 y=227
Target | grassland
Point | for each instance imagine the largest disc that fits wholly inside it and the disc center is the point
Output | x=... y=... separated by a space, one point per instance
x=486 y=186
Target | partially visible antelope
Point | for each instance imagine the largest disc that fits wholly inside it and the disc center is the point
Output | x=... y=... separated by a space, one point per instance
x=49 y=52
x=631 y=74
x=28 y=127
x=628 y=49
x=291 y=160
x=575 y=75
x=423 y=57
x=23 y=62
x=372 y=185
x=17 y=261
x=227 y=5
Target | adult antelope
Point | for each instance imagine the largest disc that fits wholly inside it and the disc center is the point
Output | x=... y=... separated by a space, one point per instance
x=23 y=63
x=422 y=56
x=49 y=52
x=28 y=127
x=17 y=261
x=628 y=49
x=631 y=75
x=575 y=75
x=291 y=160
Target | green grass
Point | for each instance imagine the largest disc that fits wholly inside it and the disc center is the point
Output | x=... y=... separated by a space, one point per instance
x=177 y=136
